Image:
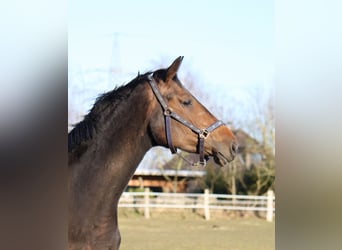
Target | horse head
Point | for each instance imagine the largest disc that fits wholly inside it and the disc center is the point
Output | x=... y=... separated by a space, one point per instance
x=179 y=120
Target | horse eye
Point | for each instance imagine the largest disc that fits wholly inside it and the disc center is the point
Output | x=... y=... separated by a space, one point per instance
x=187 y=102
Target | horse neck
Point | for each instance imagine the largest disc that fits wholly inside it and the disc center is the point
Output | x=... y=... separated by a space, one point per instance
x=124 y=145
x=110 y=158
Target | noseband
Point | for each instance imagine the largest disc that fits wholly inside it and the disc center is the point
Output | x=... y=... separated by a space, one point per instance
x=169 y=114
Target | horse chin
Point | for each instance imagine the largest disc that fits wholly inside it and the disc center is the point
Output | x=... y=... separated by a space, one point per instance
x=221 y=160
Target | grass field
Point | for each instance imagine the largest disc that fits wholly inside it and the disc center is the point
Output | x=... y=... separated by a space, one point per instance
x=180 y=232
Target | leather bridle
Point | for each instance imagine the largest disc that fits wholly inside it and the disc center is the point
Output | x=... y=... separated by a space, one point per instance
x=169 y=114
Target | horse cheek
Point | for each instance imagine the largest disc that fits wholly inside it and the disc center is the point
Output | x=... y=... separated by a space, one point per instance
x=157 y=131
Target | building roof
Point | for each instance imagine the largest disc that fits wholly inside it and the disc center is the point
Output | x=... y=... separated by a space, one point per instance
x=170 y=172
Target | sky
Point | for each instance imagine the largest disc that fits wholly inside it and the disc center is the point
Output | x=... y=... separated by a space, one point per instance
x=227 y=45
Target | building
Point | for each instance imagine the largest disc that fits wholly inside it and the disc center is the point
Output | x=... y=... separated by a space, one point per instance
x=166 y=180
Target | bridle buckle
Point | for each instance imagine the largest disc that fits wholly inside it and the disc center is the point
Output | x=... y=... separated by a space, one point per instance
x=168 y=112
x=204 y=133
x=199 y=164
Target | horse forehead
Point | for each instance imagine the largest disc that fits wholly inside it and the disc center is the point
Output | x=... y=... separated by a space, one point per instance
x=178 y=88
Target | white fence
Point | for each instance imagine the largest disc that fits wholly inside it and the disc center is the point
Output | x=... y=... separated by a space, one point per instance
x=206 y=201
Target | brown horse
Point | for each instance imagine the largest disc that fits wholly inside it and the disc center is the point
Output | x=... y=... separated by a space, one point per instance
x=107 y=146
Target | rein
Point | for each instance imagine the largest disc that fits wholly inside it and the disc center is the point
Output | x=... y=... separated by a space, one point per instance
x=170 y=114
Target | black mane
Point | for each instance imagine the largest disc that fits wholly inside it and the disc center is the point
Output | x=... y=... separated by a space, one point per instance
x=85 y=129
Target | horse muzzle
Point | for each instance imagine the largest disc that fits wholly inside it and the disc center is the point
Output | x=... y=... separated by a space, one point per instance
x=224 y=155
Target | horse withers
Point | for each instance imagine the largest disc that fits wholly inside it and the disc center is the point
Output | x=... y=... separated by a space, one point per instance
x=154 y=109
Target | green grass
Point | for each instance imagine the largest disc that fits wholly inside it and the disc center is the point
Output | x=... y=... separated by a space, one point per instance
x=177 y=231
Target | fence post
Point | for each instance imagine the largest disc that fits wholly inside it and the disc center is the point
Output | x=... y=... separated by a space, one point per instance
x=269 y=214
x=206 y=204
x=147 y=203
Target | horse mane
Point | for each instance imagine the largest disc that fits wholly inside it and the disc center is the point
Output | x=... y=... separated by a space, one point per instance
x=85 y=129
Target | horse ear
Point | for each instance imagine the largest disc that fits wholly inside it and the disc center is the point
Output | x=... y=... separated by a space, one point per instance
x=172 y=70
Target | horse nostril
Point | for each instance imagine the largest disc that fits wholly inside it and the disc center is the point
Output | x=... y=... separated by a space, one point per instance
x=234 y=148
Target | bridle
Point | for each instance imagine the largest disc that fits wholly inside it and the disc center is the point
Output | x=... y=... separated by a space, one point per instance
x=169 y=114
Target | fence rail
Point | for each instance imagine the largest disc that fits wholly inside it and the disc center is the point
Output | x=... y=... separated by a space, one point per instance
x=206 y=201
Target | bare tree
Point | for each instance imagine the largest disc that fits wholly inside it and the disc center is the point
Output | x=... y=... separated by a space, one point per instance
x=261 y=174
